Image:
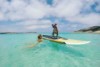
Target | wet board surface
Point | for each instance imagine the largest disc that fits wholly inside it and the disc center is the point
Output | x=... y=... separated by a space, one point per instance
x=65 y=40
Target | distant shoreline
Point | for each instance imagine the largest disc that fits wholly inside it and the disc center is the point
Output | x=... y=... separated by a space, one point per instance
x=60 y=33
x=16 y=32
x=85 y=33
x=93 y=30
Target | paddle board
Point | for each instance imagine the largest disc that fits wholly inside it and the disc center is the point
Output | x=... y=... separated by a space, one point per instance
x=64 y=40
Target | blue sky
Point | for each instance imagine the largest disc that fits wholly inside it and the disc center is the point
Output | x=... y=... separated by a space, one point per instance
x=38 y=15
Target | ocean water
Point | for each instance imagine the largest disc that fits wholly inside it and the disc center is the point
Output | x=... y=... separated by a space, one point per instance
x=15 y=51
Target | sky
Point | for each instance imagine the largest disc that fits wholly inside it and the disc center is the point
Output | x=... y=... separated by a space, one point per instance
x=38 y=15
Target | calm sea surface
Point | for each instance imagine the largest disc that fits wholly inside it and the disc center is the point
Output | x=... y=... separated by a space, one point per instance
x=14 y=51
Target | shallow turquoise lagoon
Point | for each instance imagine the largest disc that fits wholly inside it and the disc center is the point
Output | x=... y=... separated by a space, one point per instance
x=14 y=51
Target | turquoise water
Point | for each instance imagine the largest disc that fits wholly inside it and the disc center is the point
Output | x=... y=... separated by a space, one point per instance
x=14 y=51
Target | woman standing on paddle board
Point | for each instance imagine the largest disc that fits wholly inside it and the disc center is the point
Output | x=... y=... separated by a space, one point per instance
x=55 y=30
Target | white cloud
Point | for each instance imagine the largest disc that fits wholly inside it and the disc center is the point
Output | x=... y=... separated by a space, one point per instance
x=35 y=10
x=1 y=16
x=35 y=24
x=91 y=19
x=20 y=9
x=70 y=10
x=27 y=25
